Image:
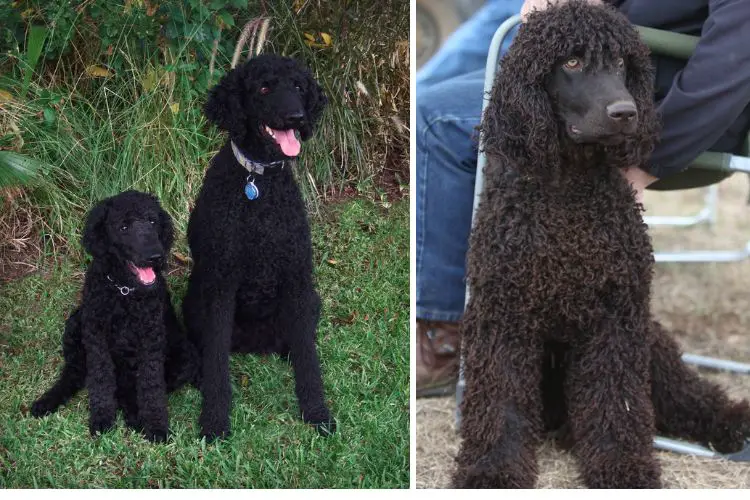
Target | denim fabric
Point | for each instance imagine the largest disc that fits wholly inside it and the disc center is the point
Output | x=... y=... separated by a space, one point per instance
x=449 y=105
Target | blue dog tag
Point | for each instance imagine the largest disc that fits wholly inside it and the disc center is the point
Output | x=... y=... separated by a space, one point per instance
x=251 y=191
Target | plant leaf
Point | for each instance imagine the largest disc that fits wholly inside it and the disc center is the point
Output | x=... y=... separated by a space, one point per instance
x=34 y=44
x=326 y=38
x=226 y=18
x=17 y=169
x=49 y=116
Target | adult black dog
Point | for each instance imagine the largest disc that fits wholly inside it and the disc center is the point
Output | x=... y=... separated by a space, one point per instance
x=123 y=342
x=251 y=289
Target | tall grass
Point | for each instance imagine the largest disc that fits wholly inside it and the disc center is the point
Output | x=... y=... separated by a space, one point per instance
x=142 y=127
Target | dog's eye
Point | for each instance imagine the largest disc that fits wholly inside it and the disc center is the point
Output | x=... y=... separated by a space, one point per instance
x=264 y=90
x=152 y=221
x=573 y=63
x=123 y=228
x=297 y=87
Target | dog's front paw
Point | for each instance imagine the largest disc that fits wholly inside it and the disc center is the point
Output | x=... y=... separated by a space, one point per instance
x=156 y=435
x=322 y=420
x=99 y=424
x=42 y=407
x=732 y=428
x=214 y=428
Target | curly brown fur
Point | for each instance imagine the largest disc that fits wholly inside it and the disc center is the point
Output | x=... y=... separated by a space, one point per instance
x=127 y=348
x=557 y=333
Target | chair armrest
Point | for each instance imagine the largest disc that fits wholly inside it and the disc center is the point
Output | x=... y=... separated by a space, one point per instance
x=667 y=43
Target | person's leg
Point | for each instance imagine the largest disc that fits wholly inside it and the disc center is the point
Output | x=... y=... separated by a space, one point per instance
x=466 y=49
x=447 y=116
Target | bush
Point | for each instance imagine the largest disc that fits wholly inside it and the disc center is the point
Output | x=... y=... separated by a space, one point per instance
x=115 y=100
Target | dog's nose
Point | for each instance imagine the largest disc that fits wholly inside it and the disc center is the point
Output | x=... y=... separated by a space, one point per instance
x=156 y=257
x=295 y=117
x=622 y=111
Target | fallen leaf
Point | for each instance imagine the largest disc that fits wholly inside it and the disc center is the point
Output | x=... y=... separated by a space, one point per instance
x=182 y=258
x=348 y=320
x=98 y=71
x=333 y=262
x=326 y=38
x=297 y=5
x=5 y=96
x=175 y=107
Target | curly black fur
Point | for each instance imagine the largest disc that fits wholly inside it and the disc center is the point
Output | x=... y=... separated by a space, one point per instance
x=558 y=331
x=251 y=289
x=128 y=350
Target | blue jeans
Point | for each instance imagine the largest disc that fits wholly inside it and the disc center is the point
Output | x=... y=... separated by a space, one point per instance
x=449 y=106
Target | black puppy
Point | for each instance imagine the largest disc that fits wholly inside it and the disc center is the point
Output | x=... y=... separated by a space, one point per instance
x=124 y=342
x=251 y=289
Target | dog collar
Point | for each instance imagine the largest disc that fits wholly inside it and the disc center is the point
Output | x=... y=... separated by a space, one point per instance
x=124 y=290
x=253 y=167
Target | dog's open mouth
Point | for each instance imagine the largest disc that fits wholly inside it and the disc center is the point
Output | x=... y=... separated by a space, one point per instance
x=286 y=139
x=146 y=275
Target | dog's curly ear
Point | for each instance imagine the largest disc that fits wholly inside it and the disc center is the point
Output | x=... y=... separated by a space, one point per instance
x=224 y=107
x=315 y=104
x=95 y=240
x=166 y=232
x=519 y=126
x=640 y=84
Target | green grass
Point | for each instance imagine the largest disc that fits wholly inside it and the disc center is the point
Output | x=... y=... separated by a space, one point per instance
x=361 y=253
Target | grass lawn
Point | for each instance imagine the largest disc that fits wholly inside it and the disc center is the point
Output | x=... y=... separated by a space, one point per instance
x=362 y=268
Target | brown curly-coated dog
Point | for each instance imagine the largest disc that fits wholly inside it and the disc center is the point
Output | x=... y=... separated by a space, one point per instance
x=558 y=333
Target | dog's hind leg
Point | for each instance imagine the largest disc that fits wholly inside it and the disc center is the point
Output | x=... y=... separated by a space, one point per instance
x=609 y=404
x=502 y=407
x=73 y=376
x=689 y=407
x=298 y=320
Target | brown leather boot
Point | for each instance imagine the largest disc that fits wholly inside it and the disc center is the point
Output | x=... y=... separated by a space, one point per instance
x=438 y=352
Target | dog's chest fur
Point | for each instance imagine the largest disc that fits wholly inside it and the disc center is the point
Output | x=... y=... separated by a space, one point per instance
x=268 y=238
x=133 y=321
x=566 y=251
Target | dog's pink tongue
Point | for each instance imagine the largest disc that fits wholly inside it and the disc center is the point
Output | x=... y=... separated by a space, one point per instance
x=287 y=141
x=146 y=274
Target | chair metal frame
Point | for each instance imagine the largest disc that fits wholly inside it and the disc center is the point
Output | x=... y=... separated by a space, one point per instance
x=714 y=161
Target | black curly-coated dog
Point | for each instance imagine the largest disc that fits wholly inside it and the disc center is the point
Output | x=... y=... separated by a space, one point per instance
x=251 y=289
x=558 y=332
x=123 y=341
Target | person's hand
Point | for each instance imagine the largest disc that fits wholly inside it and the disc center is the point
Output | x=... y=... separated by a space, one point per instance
x=639 y=179
x=529 y=5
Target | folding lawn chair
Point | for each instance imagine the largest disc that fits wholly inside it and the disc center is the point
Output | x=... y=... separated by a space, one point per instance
x=708 y=169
